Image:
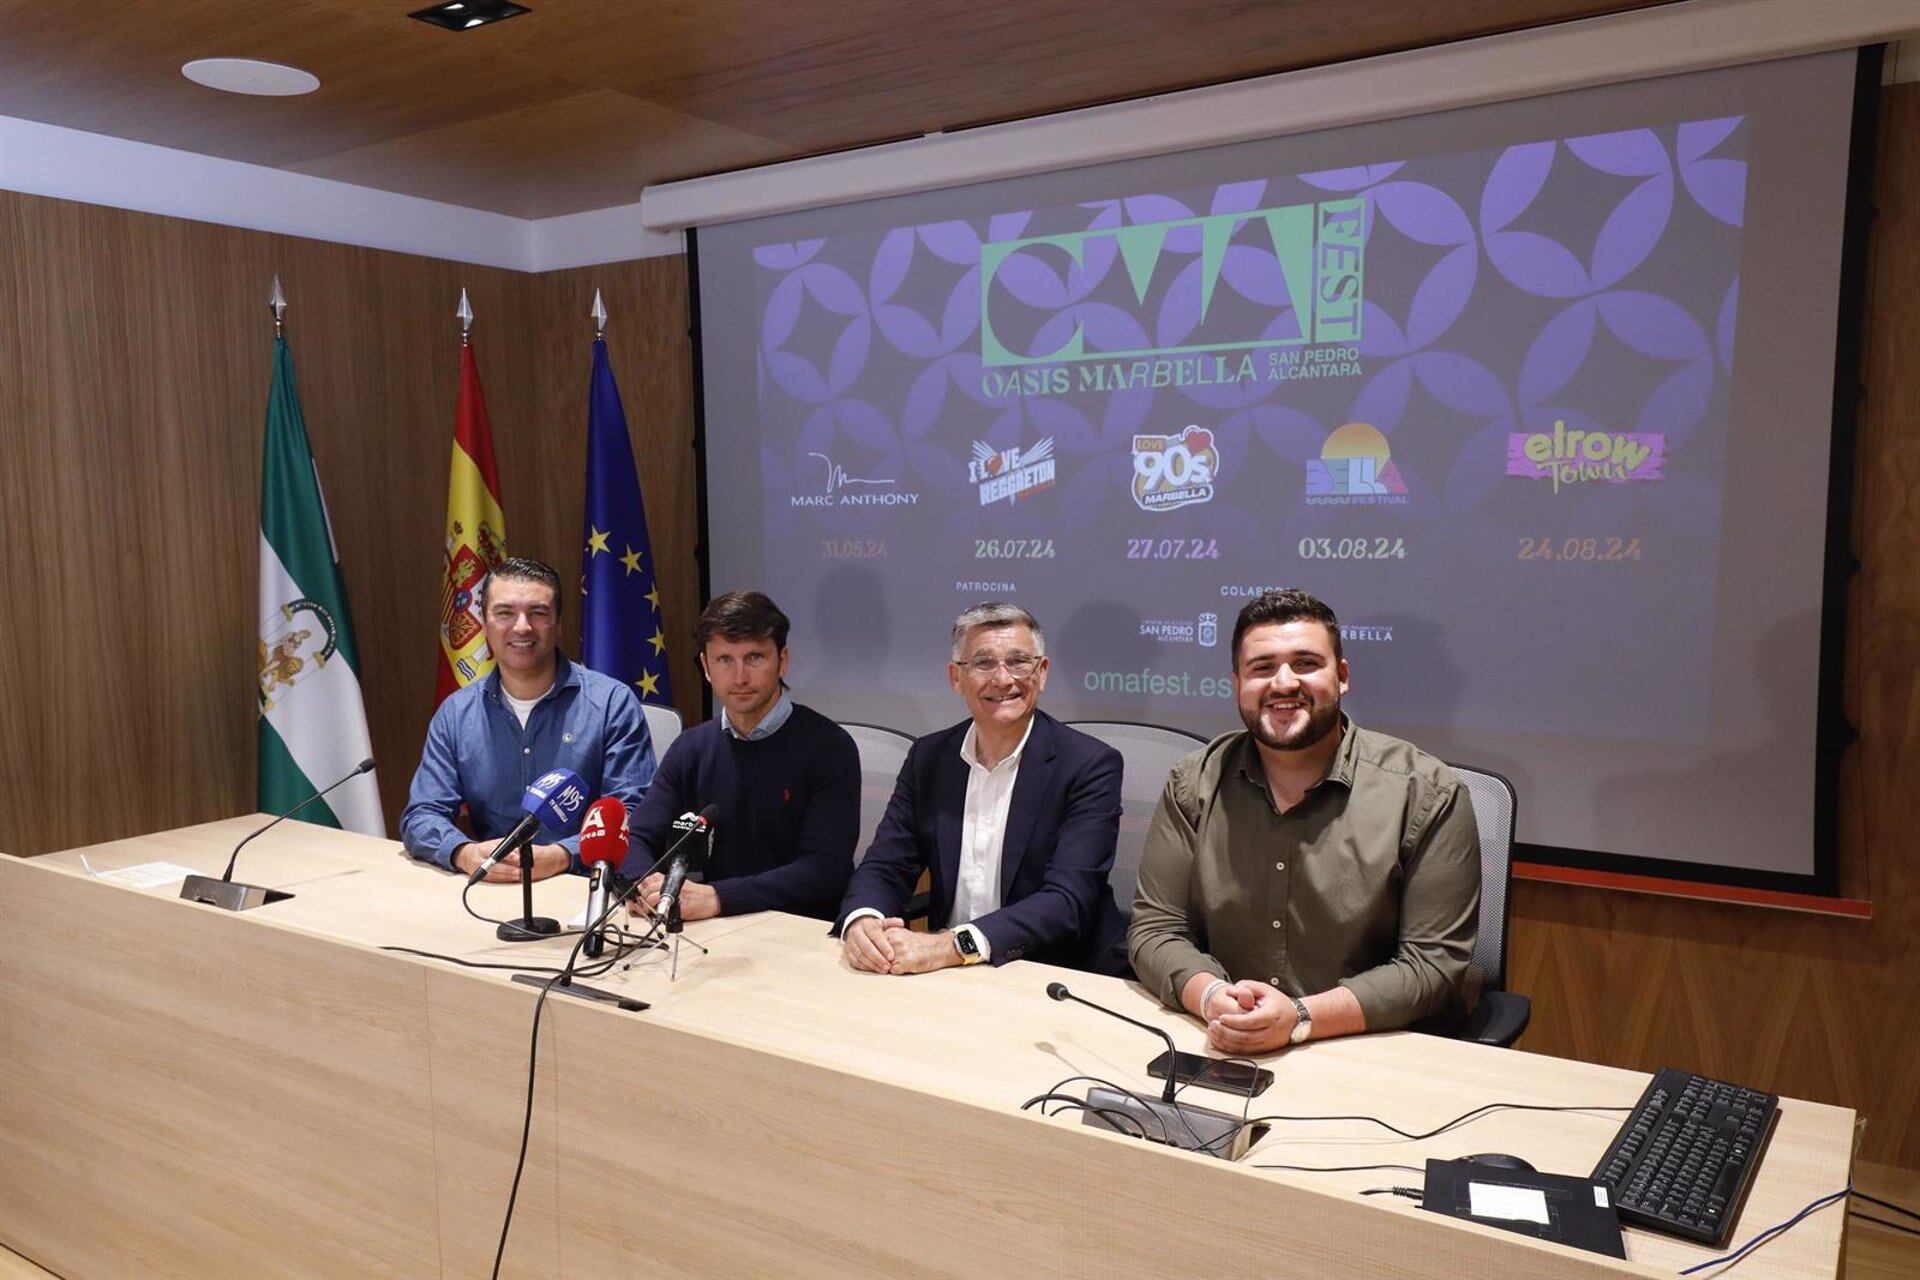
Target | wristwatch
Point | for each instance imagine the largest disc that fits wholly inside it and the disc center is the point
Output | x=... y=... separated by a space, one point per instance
x=967 y=945
x=1303 y=1025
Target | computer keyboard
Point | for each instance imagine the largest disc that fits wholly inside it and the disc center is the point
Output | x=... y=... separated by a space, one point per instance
x=1685 y=1157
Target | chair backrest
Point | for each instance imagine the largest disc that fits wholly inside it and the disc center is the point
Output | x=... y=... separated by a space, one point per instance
x=1150 y=751
x=1493 y=807
x=882 y=752
x=663 y=726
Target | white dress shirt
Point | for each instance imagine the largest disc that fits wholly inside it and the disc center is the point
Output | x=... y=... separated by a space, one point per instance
x=983 y=828
x=983 y=837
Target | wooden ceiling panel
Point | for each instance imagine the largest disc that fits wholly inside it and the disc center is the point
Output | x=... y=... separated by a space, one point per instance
x=580 y=103
x=837 y=73
x=588 y=151
x=109 y=67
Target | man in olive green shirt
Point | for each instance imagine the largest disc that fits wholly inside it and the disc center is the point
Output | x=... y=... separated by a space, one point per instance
x=1306 y=878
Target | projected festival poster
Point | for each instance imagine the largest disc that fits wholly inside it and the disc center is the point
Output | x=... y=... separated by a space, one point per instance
x=1478 y=401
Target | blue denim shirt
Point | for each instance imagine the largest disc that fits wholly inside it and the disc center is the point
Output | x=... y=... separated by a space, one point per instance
x=477 y=755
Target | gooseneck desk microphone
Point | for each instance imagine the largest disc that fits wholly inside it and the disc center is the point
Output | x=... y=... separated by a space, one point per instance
x=1162 y=1119
x=227 y=895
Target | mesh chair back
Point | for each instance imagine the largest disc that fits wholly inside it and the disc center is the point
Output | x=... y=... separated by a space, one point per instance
x=663 y=726
x=1493 y=814
x=882 y=752
x=1150 y=752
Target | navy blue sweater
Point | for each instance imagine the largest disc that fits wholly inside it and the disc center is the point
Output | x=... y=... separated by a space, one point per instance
x=789 y=813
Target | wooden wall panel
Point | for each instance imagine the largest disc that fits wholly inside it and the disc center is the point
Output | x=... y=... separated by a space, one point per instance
x=652 y=359
x=134 y=361
x=1818 y=1008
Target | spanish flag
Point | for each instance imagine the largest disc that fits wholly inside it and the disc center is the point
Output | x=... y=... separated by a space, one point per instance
x=476 y=537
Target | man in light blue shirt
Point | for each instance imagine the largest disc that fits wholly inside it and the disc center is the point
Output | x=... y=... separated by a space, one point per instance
x=535 y=711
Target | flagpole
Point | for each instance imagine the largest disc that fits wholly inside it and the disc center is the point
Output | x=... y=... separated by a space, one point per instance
x=277 y=306
x=599 y=314
x=464 y=314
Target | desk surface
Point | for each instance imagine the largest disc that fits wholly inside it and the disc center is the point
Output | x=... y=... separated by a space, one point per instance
x=989 y=1038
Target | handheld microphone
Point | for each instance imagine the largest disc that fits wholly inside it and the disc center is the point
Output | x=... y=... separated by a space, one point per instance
x=1162 y=1119
x=603 y=843
x=552 y=801
x=223 y=892
x=676 y=877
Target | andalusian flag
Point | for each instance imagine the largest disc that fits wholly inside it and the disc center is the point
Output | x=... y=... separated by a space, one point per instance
x=621 y=633
x=476 y=537
x=313 y=725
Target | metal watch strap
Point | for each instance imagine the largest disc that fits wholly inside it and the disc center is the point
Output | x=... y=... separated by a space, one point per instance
x=1303 y=1025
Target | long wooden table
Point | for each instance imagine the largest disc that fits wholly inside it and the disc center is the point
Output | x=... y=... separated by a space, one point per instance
x=199 y=1093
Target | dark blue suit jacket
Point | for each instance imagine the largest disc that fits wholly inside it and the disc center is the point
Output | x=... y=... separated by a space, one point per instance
x=1062 y=823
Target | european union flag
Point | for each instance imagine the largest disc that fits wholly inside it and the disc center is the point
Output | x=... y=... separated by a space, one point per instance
x=621 y=633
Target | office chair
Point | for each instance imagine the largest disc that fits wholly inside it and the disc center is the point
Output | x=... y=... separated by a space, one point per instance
x=1502 y=1015
x=882 y=753
x=1150 y=752
x=663 y=726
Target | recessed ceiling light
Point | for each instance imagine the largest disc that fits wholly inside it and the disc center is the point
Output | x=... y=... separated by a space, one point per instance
x=244 y=75
x=465 y=15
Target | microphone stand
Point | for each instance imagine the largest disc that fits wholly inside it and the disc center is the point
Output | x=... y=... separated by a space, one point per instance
x=675 y=925
x=529 y=927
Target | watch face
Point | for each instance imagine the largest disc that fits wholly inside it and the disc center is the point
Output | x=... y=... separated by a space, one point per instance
x=968 y=947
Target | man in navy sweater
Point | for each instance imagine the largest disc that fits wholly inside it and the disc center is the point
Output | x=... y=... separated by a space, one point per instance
x=786 y=780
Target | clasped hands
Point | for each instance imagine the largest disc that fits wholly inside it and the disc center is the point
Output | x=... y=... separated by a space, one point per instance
x=697 y=901
x=876 y=945
x=548 y=860
x=1249 y=1017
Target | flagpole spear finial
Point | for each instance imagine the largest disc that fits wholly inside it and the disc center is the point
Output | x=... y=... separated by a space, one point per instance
x=277 y=304
x=599 y=314
x=465 y=316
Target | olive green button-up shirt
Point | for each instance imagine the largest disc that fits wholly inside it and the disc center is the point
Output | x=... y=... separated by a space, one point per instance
x=1372 y=881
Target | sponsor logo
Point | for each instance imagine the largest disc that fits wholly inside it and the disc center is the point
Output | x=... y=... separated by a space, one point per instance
x=1167 y=631
x=1582 y=457
x=984 y=587
x=1170 y=472
x=1355 y=468
x=1319 y=248
x=838 y=488
x=1204 y=631
x=1364 y=634
x=1011 y=475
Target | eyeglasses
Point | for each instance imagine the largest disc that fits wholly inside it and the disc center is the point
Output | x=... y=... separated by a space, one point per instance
x=1017 y=667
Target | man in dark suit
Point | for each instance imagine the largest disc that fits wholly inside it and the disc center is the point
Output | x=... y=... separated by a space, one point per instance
x=1014 y=814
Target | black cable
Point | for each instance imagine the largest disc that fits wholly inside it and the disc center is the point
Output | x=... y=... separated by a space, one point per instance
x=1456 y=1122
x=1886 y=1204
x=567 y=973
x=1246 y=1105
x=1054 y=1095
x=1777 y=1229
x=1338 y=1168
x=1069 y=1102
x=1411 y=1193
x=475 y=964
x=526 y=1123
x=1882 y=1222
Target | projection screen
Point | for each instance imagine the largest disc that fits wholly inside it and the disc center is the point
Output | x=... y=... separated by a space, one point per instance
x=1538 y=396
